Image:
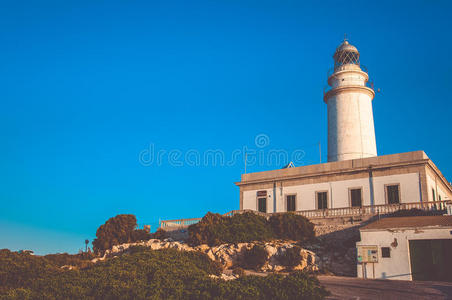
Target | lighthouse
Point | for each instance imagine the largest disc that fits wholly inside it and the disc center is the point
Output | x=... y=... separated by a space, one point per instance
x=351 y=132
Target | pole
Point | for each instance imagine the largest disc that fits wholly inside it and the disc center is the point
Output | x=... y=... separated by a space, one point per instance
x=320 y=152
x=246 y=157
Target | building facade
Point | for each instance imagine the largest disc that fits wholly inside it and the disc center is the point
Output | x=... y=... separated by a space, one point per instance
x=389 y=179
x=407 y=248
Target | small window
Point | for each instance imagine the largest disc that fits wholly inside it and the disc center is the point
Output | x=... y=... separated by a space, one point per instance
x=322 y=200
x=355 y=197
x=291 y=202
x=392 y=192
x=385 y=252
x=433 y=193
x=262 y=204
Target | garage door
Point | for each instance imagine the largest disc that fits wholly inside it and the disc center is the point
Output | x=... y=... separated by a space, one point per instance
x=431 y=259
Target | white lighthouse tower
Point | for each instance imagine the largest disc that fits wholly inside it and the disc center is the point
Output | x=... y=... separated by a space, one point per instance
x=351 y=132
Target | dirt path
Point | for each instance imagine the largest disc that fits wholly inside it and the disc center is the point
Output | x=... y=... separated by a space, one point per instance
x=355 y=288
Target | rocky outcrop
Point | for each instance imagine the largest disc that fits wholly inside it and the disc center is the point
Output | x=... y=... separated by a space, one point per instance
x=229 y=255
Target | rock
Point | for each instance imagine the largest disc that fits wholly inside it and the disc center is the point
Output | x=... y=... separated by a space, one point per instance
x=229 y=255
x=271 y=250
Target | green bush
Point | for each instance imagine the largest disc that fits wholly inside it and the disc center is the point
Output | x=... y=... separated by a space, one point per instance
x=118 y=230
x=255 y=257
x=145 y=274
x=291 y=257
x=81 y=260
x=19 y=270
x=292 y=226
x=414 y=212
x=160 y=234
x=215 y=229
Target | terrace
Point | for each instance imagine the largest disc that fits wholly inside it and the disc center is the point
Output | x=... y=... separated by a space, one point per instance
x=343 y=212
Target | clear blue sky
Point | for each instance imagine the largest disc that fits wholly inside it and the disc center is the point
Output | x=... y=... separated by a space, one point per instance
x=86 y=88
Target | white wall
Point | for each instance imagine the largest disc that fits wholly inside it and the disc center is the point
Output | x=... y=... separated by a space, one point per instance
x=338 y=192
x=431 y=184
x=398 y=266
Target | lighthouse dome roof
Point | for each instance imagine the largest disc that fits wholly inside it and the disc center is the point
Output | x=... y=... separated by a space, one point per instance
x=346 y=46
x=346 y=54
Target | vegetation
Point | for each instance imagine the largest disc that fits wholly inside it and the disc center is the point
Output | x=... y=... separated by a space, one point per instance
x=118 y=230
x=291 y=226
x=160 y=234
x=81 y=260
x=255 y=257
x=291 y=257
x=238 y=271
x=144 y=274
x=215 y=229
x=414 y=212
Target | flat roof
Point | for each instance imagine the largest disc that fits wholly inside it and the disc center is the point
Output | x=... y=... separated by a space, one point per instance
x=410 y=222
x=345 y=167
x=337 y=167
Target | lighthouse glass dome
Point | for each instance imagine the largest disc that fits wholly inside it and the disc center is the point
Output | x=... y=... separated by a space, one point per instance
x=345 y=54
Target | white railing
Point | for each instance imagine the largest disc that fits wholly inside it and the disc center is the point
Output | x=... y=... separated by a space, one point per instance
x=328 y=213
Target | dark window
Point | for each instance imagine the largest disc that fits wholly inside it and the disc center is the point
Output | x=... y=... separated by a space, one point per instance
x=291 y=202
x=262 y=204
x=433 y=193
x=322 y=200
x=385 y=252
x=393 y=194
x=355 y=195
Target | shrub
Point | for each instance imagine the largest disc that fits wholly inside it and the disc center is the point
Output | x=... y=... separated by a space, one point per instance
x=20 y=270
x=297 y=285
x=215 y=229
x=81 y=260
x=118 y=230
x=414 y=212
x=291 y=257
x=146 y=274
x=255 y=257
x=160 y=234
x=292 y=226
x=238 y=271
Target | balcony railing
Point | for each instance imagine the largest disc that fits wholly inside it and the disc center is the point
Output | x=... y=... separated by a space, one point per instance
x=368 y=210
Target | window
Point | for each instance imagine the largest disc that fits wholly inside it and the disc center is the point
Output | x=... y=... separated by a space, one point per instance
x=262 y=204
x=392 y=194
x=385 y=252
x=322 y=200
x=355 y=197
x=291 y=199
x=433 y=193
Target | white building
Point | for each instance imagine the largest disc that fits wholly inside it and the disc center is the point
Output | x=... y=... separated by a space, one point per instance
x=406 y=248
x=354 y=177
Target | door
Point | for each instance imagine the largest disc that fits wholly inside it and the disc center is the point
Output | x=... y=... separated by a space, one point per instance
x=290 y=202
x=431 y=259
x=262 y=205
x=322 y=200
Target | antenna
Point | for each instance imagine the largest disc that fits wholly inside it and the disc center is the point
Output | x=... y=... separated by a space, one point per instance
x=345 y=37
x=246 y=158
x=320 y=152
